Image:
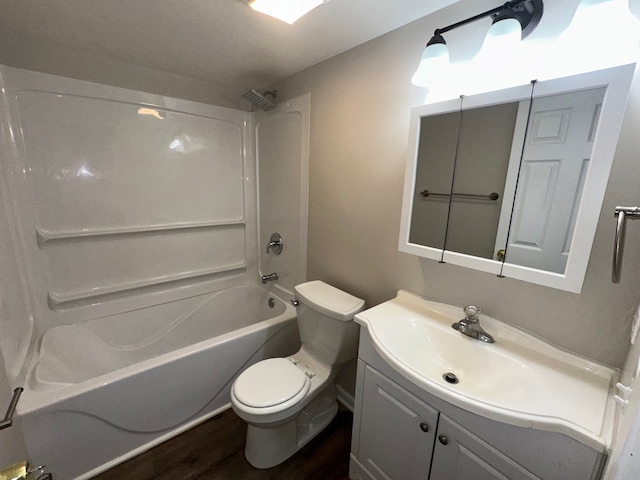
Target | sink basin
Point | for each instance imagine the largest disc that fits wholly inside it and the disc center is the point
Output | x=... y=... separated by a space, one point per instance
x=519 y=379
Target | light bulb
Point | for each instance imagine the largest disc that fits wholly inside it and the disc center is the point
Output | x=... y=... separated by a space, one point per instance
x=502 y=40
x=433 y=65
x=602 y=34
x=499 y=63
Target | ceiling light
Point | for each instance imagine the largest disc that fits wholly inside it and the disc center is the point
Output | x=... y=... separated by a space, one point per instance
x=511 y=22
x=286 y=10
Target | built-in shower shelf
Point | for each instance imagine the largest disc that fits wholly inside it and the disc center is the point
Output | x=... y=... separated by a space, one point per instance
x=44 y=236
x=63 y=301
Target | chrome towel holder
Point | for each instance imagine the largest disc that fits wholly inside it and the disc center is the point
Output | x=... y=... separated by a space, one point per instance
x=622 y=213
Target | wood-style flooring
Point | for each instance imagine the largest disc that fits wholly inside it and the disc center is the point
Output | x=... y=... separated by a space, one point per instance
x=214 y=450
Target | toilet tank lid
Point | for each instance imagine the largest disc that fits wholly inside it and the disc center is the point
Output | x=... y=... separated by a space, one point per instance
x=329 y=300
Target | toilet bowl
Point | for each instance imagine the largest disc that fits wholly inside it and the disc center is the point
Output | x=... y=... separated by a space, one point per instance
x=287 y=401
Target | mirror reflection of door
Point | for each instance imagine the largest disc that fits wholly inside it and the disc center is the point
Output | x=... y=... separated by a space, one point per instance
x=434 y=172
x=555 y=161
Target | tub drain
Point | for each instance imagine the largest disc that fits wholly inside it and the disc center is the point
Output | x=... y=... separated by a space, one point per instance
x=450 y=378
x=272 y=302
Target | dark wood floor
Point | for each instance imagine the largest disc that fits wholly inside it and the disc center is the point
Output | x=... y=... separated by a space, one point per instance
x=215 y=450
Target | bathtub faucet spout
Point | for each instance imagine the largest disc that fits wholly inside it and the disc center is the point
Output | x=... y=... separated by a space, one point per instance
x=270 y=277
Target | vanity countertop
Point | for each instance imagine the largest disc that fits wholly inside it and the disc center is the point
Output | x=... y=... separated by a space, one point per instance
x=520 y=379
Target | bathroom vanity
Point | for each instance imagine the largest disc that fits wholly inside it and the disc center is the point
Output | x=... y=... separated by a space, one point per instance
x=434 y=404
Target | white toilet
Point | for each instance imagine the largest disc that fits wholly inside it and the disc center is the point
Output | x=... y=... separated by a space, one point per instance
x=288 y=401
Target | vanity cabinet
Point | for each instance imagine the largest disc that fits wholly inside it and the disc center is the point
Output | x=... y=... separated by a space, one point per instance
x=402 y=432
x=393 y=419
x=400 y=435
x=460 y=455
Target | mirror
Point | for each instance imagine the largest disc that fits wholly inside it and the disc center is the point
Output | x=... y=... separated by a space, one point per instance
x=512 y=182
x=438 y=140
x=486 y=142
x=555 y=161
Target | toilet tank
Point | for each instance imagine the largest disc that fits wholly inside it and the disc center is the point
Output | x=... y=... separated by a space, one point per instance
x=325 y=320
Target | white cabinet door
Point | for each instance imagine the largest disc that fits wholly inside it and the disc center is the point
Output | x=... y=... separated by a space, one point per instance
x=460 y=455
x=397 y=432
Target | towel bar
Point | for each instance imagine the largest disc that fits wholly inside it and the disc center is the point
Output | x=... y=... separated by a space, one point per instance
x=491 y=196
x=622 y=213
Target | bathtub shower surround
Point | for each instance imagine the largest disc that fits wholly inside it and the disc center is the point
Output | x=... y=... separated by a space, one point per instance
x=133 y=224
x=121 y=200
x=282 y=189
x=96 y=397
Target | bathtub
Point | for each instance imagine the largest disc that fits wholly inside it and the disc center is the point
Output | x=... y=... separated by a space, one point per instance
x=105 y=390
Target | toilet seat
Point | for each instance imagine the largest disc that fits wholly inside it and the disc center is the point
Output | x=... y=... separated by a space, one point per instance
x=270 y=386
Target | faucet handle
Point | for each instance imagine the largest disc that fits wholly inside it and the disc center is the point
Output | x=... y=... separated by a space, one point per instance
x=471 y=312
x=275 y=243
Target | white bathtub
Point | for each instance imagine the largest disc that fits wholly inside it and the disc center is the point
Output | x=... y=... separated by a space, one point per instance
x=105 y=390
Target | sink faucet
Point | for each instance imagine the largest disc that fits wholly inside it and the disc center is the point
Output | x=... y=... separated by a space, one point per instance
x=470 y=325
x=269 y=277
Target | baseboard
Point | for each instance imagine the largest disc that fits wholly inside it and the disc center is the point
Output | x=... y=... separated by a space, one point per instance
x=345 y=398
x=357 y=471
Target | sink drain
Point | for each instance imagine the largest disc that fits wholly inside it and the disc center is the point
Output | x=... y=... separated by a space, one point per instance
x=450 y=378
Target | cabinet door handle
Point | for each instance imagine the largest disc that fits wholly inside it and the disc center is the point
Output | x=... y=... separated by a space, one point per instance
x=443 y=439
x=424 y=427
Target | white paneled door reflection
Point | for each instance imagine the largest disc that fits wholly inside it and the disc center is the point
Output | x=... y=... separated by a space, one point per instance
x=555 y=162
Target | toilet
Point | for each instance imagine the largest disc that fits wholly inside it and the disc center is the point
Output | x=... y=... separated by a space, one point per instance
x=287 y=401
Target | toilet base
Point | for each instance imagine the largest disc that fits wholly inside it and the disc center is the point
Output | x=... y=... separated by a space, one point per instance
x=270 y=445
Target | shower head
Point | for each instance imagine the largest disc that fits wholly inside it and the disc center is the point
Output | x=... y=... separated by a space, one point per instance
x=259 y=100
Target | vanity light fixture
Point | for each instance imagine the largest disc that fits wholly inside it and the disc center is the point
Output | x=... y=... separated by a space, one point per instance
x=286 y=10
x=517 y=18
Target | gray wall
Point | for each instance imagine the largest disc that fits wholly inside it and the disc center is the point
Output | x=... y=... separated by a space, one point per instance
x=18 y=52
x=360 y=104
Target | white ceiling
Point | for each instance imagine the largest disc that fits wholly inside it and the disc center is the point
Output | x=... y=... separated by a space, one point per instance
x=223 y=42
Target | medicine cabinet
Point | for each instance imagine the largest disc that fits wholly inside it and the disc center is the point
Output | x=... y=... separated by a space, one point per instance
x=511 y=182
